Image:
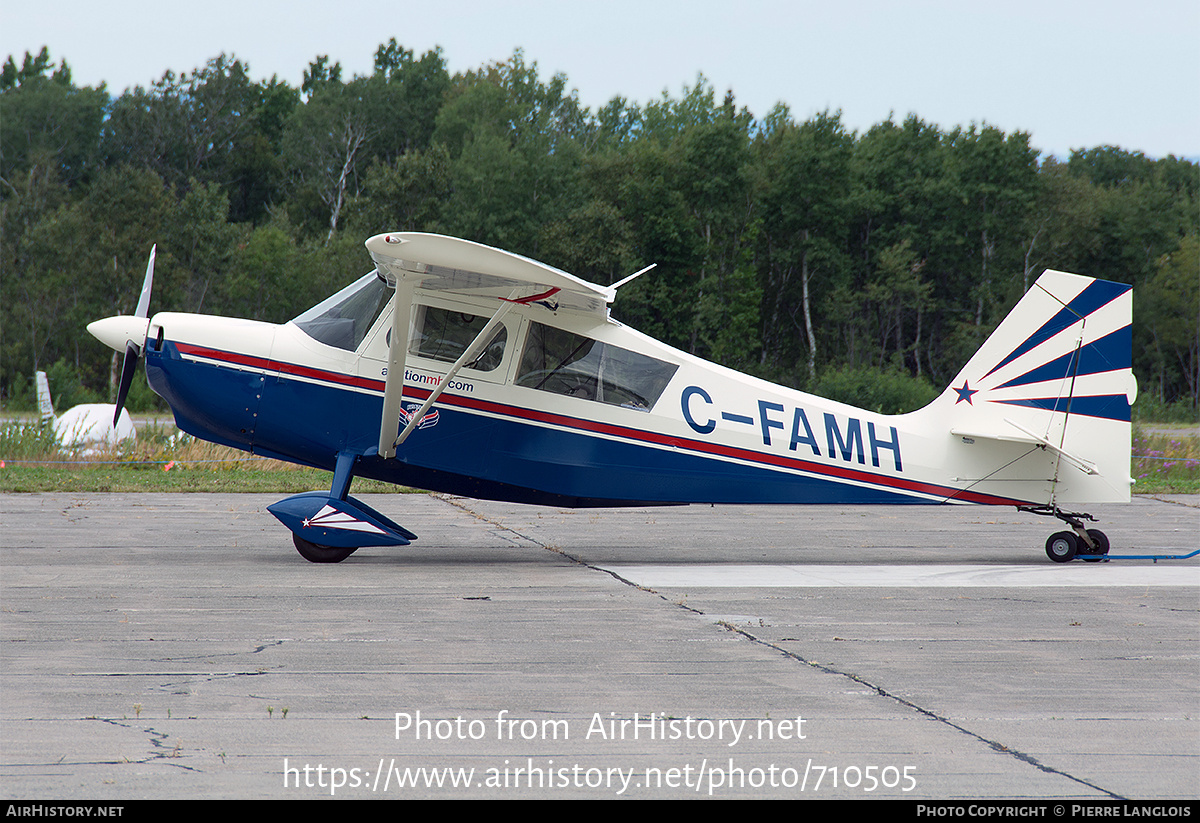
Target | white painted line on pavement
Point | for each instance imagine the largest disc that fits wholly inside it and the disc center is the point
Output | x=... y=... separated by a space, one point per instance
x=1077 y=574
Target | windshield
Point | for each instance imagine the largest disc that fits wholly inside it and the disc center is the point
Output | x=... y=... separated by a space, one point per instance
x=344 y=319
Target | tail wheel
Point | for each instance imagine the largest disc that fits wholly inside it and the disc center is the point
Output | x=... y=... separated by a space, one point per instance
x=1101 y=541
x=1062 y=547
x=314 y=553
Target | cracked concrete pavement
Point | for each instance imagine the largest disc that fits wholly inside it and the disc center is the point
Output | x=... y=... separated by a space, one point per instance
x=174 y=646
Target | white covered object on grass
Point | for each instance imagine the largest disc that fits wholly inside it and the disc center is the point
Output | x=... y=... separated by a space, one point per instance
x=91 y=425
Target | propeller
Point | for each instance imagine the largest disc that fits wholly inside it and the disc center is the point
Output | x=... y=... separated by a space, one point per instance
x=133 y=350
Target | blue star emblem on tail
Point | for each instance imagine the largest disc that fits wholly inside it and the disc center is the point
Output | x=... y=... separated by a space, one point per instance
x=965 y=393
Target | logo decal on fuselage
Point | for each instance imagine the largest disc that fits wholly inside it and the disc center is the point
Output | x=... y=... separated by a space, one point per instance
x=416 y=378
x=409 y=409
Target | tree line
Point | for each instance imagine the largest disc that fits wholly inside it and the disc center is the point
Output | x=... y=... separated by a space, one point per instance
x=864 y=265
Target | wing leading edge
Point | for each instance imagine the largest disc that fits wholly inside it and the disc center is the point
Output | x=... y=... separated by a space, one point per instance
x=448 y=264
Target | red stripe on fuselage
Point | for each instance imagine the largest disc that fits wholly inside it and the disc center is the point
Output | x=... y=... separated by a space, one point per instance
x=267 y=364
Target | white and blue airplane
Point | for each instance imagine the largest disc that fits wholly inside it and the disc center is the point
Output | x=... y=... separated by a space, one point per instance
x=513 y=382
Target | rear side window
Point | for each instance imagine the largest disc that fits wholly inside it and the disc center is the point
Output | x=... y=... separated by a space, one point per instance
x=562 y=362
x=444 y=334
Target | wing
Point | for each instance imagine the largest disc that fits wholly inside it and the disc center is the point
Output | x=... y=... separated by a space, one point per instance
x=447 y=264
x=434 y=262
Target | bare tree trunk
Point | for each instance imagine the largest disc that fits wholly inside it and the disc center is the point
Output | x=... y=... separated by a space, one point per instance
x=917 y=343
x=1029 y=255
x=353 y=139
x=114 y=375
x=987 y=249
x=812 y=340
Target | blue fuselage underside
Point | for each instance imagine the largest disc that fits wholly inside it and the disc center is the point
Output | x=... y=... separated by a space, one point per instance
x=483 y=455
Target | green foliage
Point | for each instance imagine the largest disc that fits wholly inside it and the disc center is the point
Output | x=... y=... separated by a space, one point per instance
x=1110 y=165
x=887 y=391
x=408 y=195
x=187 y=125
x=66 y=389
x=160 y=459
x=796 y=250
x=48 y=121
x=592 y=241
x=1165 y=461
x=202 y=242
x=256 y=282
x=1150 y=408
x=26 y=441
x=513 y=143
x=20 y=394
x=1168 y=312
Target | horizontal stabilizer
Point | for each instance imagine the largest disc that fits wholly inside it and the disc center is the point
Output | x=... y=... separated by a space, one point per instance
x=1020 y=434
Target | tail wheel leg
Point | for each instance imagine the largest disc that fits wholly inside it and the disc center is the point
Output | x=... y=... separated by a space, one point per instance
x=1062 y=547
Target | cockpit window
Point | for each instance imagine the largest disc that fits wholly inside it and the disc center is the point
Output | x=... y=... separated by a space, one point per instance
x=344 y=319
x=561 y=362
x=445 y=334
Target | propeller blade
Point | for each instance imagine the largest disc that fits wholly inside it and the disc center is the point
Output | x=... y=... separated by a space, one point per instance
x=143 y=306
x=133 y=350
x=128 y=368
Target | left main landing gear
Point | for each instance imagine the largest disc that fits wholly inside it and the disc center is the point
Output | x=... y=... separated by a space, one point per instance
x=316 y=553
x=1090 y=545
x=342 y=524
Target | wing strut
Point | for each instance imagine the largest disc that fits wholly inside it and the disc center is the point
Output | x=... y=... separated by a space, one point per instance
x=393 y=388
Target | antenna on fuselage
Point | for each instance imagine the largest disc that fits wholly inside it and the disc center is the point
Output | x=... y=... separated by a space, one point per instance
x=638 y=273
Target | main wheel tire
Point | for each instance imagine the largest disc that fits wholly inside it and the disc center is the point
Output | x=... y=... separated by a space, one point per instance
x=314 y=553
x=1101 y=541
x=1062 y=547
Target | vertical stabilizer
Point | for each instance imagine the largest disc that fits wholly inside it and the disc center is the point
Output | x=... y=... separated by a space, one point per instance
x=1042 y=411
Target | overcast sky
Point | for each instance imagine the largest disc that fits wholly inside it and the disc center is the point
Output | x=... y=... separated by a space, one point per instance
x=1072 y=74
